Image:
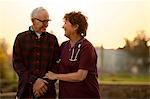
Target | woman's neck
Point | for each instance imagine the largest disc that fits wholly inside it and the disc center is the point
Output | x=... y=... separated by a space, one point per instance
x=74 y=40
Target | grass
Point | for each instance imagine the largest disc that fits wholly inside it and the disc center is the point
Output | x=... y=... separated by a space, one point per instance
x=124 y=78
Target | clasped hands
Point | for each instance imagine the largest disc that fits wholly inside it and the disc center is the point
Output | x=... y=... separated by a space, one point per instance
x=40 y=87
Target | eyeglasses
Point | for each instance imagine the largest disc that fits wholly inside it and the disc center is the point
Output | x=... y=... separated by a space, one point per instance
x=43 y=21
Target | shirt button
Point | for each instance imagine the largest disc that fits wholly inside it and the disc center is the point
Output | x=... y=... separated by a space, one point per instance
x=38 y=54
x=69 y=49
x=37 y=62
x=37 y=70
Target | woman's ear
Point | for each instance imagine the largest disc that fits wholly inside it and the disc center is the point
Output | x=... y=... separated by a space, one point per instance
x=76 y=27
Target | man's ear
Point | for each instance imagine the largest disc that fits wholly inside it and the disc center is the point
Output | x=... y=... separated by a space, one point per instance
x=32 y=19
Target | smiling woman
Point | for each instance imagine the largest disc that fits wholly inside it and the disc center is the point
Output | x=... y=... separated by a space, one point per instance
x=77 y=67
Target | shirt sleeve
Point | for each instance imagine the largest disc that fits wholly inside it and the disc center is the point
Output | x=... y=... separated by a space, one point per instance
x=18 y=63
x=56 y=54
x=88 y=58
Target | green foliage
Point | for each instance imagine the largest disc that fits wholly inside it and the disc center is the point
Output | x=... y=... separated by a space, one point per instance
x=7 y=76
x=6 y=71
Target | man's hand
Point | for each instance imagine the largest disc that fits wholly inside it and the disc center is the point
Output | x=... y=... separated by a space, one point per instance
x=39 y=87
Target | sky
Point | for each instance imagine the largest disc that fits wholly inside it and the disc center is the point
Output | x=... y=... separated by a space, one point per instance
x=110 y=21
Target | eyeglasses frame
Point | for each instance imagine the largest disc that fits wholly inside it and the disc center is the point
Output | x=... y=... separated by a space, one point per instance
x=43 y=21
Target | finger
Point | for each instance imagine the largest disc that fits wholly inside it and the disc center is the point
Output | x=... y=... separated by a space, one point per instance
x=36 y=94
x=34 y=88
x=34 y=91
x=45 y=87
x=50 y=72
x=45 y=76
x=41 y=92
x=45 y=81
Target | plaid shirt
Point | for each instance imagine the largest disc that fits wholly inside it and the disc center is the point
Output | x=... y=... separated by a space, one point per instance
x=33 y=57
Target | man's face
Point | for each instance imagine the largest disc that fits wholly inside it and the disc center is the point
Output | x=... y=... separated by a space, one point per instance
x=40 y=22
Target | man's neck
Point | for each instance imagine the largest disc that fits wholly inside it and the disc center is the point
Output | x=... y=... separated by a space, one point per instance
x=36 y=30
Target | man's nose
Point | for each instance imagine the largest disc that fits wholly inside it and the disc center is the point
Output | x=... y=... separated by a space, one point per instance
x=46 y=24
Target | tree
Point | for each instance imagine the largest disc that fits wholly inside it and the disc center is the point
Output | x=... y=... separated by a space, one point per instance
x=139 y=49
x=5 y=65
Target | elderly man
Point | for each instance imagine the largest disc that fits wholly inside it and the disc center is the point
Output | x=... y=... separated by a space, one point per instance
x=35 y=52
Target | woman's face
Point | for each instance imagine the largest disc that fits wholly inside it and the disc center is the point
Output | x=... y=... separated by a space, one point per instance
x=69 y=28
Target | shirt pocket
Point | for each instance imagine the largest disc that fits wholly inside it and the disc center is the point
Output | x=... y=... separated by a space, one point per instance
x=74 y=66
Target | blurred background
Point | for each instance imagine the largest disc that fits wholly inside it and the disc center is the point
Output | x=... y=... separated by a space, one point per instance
x=119 y=30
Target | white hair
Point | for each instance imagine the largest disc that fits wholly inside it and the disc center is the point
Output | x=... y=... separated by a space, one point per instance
x=36 y=10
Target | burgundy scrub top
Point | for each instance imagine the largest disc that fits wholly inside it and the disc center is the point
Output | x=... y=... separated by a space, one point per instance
x=81 y=56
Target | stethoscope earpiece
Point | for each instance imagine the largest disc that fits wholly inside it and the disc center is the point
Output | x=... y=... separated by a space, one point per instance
x=76 y=55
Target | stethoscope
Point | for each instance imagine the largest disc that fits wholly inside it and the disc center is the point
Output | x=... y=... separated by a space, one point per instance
x=73 y=59
x=76 y=54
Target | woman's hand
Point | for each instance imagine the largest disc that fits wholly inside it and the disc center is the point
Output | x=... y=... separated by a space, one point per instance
x=50 y=75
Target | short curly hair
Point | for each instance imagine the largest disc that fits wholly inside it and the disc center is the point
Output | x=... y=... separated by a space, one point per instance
x=77 y=18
